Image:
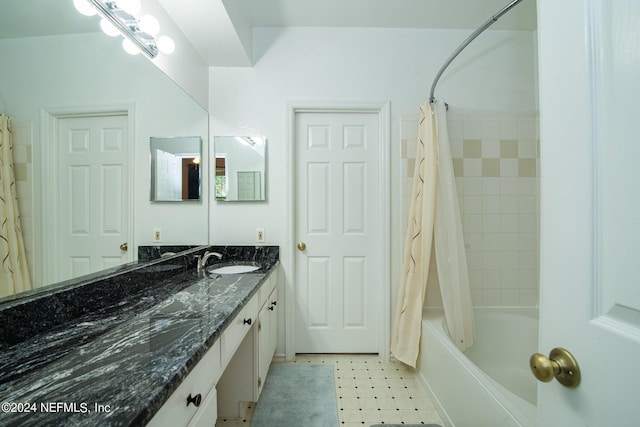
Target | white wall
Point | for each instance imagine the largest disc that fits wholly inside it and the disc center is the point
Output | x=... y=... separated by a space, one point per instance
x=92 y=71
x=496 y=74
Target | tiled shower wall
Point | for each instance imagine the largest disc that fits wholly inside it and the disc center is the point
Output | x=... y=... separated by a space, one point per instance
x=495 y=162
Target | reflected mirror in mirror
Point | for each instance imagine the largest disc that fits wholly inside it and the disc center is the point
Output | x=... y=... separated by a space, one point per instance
x=240 y=168
x=175 y=168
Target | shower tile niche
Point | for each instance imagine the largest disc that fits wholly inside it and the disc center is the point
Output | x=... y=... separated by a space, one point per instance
x=496 y=164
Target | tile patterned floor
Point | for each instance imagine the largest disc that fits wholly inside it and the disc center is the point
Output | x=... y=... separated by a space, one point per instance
x=369 y=391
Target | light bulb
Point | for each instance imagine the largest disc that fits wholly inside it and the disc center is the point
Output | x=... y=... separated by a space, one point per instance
x=149 y=25
x=130 y=6
x=129 y=47
x=108 y=28
x=84 y=7
x=166 y=45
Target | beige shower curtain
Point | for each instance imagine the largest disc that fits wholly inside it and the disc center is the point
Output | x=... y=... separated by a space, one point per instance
x=434 y=218
x=14 y=273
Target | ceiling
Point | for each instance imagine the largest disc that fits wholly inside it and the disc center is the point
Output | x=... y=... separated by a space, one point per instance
x=220 y=30
x=452 y=14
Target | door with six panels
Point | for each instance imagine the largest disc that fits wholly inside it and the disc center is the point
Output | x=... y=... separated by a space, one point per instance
x=338 y=232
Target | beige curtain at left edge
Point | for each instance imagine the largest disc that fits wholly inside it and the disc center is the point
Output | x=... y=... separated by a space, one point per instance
x=14 y=273
x=406 y=328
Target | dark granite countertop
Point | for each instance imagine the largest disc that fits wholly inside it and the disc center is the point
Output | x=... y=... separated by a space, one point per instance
x=128 y=353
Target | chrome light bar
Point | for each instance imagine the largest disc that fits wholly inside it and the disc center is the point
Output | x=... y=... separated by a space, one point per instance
x=128 y=25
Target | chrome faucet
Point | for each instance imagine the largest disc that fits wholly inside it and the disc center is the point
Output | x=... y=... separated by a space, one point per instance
x=202 y=260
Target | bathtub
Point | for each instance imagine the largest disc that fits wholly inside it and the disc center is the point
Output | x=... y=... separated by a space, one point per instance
x=490 y=383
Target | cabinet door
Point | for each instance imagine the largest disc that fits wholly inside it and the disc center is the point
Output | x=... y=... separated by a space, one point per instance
x=273 y=330
x=267 y=338
x=207 y=413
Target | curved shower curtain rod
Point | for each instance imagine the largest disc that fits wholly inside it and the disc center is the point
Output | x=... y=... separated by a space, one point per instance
x=469 y=39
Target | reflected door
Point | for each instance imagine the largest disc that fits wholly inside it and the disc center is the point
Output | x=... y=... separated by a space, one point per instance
x=93 y=205
x=337 y=217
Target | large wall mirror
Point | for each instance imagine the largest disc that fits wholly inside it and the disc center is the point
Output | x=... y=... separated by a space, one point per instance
x=240 y=168
x=175 y=168
x=57 y=61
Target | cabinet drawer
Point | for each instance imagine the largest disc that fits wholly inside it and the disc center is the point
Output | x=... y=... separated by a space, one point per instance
x=200 y=381
x=237 y=329
x=207 y=413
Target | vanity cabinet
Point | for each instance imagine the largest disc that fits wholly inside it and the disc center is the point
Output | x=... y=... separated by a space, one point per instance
x=246 y=372
x=195 y=398
x=233 y=370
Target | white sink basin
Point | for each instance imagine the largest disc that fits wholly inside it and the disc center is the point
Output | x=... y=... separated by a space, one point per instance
x=234 y=269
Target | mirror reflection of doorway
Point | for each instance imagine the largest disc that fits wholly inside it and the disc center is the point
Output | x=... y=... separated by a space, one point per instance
x=249 y=185
x=190 y=178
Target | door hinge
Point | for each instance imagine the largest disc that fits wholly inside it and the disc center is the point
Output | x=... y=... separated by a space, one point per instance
x=259 y=382
x=259 y=326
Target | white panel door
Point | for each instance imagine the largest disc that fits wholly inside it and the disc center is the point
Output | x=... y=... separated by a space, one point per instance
x=168 y=176
x=338 y=219
x=590 y=208
x=93 y=204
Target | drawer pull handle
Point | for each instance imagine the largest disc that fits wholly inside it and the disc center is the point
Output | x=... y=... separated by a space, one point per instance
x=274 y=302
x=246 y=322
x=270 y=308
x=196 y=400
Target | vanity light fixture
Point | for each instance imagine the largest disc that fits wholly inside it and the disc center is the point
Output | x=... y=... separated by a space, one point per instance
x=118 y=17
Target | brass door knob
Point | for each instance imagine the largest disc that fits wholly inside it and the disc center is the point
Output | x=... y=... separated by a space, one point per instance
x=560 y=364
x=124 y=247
x=302 y=246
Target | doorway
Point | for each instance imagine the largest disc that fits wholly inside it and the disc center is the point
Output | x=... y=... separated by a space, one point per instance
x=340 y=229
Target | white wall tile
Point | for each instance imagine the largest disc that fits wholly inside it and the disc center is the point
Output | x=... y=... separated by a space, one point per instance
x=526 y=129
x=527 y=223
x=491 y=260
x=527 y=149
x=528 y=186
x=509 y=205
x=491 y=186
x=491 y=298
x=490 y=148
x=491 y=129
x=509 y=223
x=509 y=261
x=509 y=185
x=473 y=186
x=527 y=204
x=509 y=279
x=491 y=279
x=491 y=241
x=491 y=204
x=510 y=297
x=509 y=241
x=456 y=148
x=472 y=129
x=508 y=129
x=472 y=204
x=491 y=223
x=455 y=128
x=509 y=167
